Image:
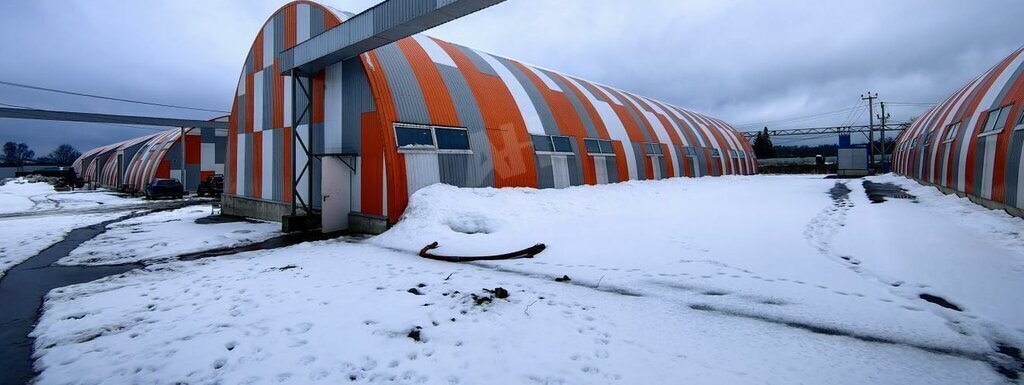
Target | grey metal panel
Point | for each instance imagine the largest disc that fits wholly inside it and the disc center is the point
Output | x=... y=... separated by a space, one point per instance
x=247 y=186
x=191 y=176
x=278 y=35
x=249 y=64
x=220 y=149
x=613 y=169
x=979 y=162
x=409 y=102
x=481 y=171
x=545 y=174
x=481 y=65
x=241 y=115
x=173 y=155
x=663 y=166
x=68 y=116
x=206 y=135
x=577 y=105
x=301 y=101
x=268 y=100
x=638 y=155
x=318 y=147
x=575 y=164
x=380 y=25
x=1013 y=185
x=316 y=21
x=547 y=119
x=358 y=99
x=680 y=156
x=454 y=169
x=575 y=173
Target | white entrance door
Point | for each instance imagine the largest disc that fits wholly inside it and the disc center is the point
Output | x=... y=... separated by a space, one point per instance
x=335 y=186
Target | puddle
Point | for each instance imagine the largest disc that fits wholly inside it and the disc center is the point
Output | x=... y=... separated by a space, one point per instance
x=878 y=192
x=939 y=301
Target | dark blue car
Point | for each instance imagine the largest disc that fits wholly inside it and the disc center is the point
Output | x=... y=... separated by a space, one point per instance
x=165 y=188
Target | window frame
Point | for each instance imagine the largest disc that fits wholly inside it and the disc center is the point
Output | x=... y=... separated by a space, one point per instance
x=996 y=127
x=433 y=147
x=1020 y=121
x=715 y=153
x=650 y=146
x=952 y=130
x=601 y=151
x=551 y=140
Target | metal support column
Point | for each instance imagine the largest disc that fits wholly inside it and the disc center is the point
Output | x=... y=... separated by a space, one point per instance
x=298 y=114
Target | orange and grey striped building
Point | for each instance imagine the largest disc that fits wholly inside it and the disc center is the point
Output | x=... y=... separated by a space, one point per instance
x=130 y=165
x=421 y=111
x=973 y=142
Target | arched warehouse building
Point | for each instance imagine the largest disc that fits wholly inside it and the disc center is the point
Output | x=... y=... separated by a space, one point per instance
x=421 y=111
x=972 y=142
x=132 y=164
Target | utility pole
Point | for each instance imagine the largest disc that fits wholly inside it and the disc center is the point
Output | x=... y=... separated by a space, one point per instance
x=884 y=117
x=871 y=127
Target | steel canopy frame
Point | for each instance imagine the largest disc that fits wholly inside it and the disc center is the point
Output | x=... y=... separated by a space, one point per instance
x=382 y=24
x=826 y=130
x=70 y=116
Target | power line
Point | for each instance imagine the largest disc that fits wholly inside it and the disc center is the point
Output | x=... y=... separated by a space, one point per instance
x=801 y=118
x=37 y=88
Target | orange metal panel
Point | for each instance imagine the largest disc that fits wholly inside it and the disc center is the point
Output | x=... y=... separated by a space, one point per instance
x=193 y=149
x=372 y=169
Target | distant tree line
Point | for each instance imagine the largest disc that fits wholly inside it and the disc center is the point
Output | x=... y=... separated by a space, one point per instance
x=19 y=154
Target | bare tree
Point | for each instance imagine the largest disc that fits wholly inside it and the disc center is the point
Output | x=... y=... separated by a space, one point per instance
x=16 y=154
x=64 y=155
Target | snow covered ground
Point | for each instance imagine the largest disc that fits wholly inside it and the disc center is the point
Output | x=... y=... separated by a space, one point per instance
x=757 y=279
x=24 y=237
x=165 y=235
x=20 y=195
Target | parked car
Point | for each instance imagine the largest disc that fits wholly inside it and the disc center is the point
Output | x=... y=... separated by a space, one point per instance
x=212 y=186
x=160 y=188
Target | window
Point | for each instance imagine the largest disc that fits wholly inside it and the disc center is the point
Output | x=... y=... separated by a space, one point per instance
x=451 y=138
x=652 y=148
x=1020 y=122
x=408 y=136
x=598 y=146
x=561 y=143
x=996 y=120
x=690 y=151
x=414 y=136
x=743 y=154
x=556 y=144
x=715 y=153
x=951 y=132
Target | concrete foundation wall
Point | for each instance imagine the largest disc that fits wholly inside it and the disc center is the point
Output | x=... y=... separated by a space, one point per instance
x=252 y=208
x=976 y=199
x=367 y=224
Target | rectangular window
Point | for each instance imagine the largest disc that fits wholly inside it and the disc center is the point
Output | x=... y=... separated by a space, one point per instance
x=1020 y=121
x=412 y=136
x=996 y=120
x=652 y=148
x=715 y=153
x=598 y=146
x=690 y=151
x=542 y=143
x=451 y=138
x=743 y=154
x=561 y=143
x=951 y=132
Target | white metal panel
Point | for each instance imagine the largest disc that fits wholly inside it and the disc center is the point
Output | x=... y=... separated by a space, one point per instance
x=335 y=186
x=357 y=187
x=422 y=170
x=268 y=44
x=257 y=101
x=287 y=101
x=434 y=51
x=658 y=108
x=601 y=167
x=544 y=78
x=240 y=175
x=333 y=100
x=267 y=172
x=606 y=93
x=522 y=99
x=988 y=166
x=302 y=23
x=560 y=169
x=656 y=166
x=206 y=156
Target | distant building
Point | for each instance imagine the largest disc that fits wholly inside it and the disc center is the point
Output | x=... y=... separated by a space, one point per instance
x=132 y=164
x=422 y=111
x=971 y=143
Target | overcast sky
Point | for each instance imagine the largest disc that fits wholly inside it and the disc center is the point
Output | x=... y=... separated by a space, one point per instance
x=749 y=62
